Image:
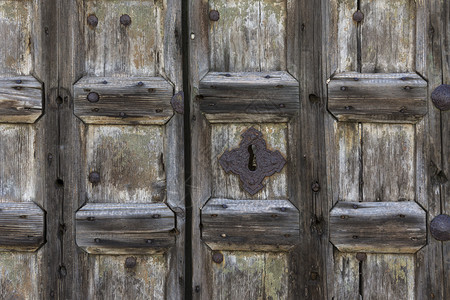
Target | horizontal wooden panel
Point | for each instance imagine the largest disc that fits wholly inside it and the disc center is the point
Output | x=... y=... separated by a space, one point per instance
x=118 y=228
x=250 y=224
x=396 y=97
x=20 y=99
x=22 y=226
x=132 y=100
x=222 y=95
x=378 y=227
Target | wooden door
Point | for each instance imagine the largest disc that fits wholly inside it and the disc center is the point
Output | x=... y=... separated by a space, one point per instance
x=319 y=161
x=92 y=191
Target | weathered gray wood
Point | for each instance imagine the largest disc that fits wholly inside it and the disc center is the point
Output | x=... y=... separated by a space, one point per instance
x=134 y=100
x=378 y=227
x=239 y=45
x=20 y=99
x=227 y=94
x=250 y=224
x=395 y=97
x=108 y=228
x=22 y=226
x=388 y=276
x=388 y=36
x=346 y=275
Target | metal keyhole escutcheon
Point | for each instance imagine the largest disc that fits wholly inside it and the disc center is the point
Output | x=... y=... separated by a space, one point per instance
x=252 y=161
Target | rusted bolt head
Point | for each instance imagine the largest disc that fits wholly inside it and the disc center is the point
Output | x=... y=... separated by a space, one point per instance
x=130 y=262
x=94 y=177
x=315 y=187
x=441 y=97
x=214 y=15
x=217 y=257
x=125 y=20
x=440 y=227
x=92 y=20
x=93 y=97
x=314 y=275
x=358 y=16
x=361 y=256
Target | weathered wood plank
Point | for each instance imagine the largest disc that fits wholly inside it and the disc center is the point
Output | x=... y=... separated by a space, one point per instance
x=239 y=45
x=250 y=224
x=228 y=94
x=388 y=276
x=113 y=228
x=388 y=36
x=22 y=226
x=346 y=275
x=395 y=97
x=133 y=100
x=388 y=162
x=20 y=99
x=129 y=161
x=20 y=274
x=114 y=49
x=378 y=227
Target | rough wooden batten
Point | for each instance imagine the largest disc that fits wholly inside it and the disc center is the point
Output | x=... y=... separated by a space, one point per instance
x=246 y=96
x=377 y=97
x=378 y=227
x=269 y=225
x=22 y=226
x=120 y=228
x=131 y=100
x=20 y=99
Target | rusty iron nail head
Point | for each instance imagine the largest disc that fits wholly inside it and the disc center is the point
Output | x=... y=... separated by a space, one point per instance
x=93 y=97
x=214 y=15
x=197 y=288
x=18 y=81
x=361 y=256
x=356 y=79
x=130 y=262
x=355 y=237
x=358 y=16
x=355 y=206
x=314 y=275
x=343 y=217
x=122 y=114
x=90 y=218
x=94 y=177
x=140 y=83
x=92 y=20
x=158 y=110
x=149 y=241
x=282 y=105
x=441 y=97
x=407 y=87
x=267 y=76
x=440 y=227
x=217 y=257
x=97 y=240
x=283 y=208
x=125 y=20
x=348 y=107
x=104 y=82
x=224 y=206
x=343 y=88
x=315 y=187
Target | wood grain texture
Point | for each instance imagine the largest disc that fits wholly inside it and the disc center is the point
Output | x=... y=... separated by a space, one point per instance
x=388 y=276
x=378 y=227
x=346 y=275
x=246 y=275
x=18 y=29
x=386 y=98
x=223 y=95
x=134 y=100
x=130 y=161
x=20 y=99
x=388 y=162
x=110 y=228
x=252 y=225
x=388 y=36
x=22 y=226
x=249 y=36
x=113 y=49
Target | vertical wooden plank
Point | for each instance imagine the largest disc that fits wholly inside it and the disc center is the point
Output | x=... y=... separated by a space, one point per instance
x=388 y=36
x=388 y=276
x=346 y=276
x=388 y=162
x=430 y=276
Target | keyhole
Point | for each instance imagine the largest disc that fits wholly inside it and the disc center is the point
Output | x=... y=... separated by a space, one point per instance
x=252 y=158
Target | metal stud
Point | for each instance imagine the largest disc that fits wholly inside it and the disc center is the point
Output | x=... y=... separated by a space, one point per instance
x=214 y=15
x=93 y=97
x=130 y=262
x=440 y=227
x=217 y=257
x=94 y=177
x=441 y=97
x=92 y=20
x=358 y=16
x=125 y=20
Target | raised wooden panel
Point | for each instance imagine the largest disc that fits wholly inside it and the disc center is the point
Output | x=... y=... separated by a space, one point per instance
x=118 y=228
x=378 y=227
x=113 y=48
x=132 y=100
x=20 y=99
x=232 y=97
x=238 y=44
x=250 y=224
x=387 y=98
x=22 y=226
